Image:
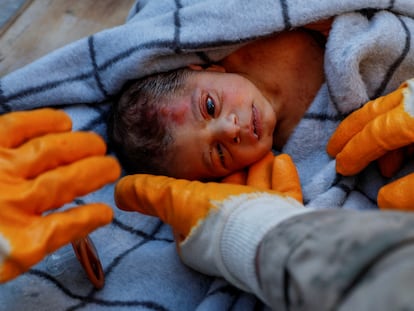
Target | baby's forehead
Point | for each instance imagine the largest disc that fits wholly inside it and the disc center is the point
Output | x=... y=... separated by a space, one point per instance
x=177 y=110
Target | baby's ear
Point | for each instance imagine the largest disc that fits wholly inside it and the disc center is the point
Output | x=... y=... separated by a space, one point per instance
x=212 y=67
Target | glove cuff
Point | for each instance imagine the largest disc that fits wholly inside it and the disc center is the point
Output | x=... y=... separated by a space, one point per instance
x=245 y=228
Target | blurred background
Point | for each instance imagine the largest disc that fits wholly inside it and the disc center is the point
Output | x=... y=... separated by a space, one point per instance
x=31 y=28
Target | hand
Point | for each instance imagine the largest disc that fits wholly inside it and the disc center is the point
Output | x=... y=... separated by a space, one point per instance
x=198 y=211
x=277 y=173
x=381 y=129
x=43 y=166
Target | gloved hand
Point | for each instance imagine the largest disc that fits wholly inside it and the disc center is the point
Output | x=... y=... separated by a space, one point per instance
x=204 y=215
x=379 y=130
x=277 y=173
x=43 y=166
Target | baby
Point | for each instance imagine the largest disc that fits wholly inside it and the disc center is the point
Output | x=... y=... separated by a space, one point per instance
x=206 y=122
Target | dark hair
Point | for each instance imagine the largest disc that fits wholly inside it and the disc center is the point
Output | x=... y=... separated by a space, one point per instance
x=137 y=131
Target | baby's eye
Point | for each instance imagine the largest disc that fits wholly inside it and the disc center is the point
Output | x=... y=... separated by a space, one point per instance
x=220 y=154
x=210 y=106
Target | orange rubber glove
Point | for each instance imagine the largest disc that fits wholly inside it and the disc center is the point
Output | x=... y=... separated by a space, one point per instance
x=379 y=130
x=207 y=216
x=277 y=173
x=43 y=166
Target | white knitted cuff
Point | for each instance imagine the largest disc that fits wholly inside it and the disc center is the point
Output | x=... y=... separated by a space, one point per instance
x=244 y=230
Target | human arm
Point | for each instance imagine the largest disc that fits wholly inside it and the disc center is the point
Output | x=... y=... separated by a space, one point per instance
x=339 y=259
x=289 y=256
x=383 y=125
x=218 y=226
x=44 y=165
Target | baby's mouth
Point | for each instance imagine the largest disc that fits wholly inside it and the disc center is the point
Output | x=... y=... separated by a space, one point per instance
x=257 y=128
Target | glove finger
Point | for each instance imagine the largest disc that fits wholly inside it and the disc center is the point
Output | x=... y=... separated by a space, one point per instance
x=138 y=193
x=180 y=203
x=387 y=132
x=75 y=223
x=260 y=173
x=48 y=152
x=391 y=162
x=237 y=178
x=18 y=127
x=52 y=232
x=162 y=197
x=356 y=121
x=398 y=195
x=285 y=177
x=63 y=184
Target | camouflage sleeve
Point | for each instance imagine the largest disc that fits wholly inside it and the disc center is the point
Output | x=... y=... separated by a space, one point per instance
x=339 y=260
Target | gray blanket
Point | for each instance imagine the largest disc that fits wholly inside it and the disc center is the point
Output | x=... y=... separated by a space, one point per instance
x=369 y=52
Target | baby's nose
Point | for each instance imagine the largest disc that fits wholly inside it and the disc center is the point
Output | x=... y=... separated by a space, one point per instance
x=231 y=129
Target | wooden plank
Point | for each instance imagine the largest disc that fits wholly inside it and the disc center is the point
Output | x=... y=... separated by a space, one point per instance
x=9 y=11
x=46 y=25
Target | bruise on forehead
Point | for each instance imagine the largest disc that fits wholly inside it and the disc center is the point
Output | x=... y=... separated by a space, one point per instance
x=177 y=113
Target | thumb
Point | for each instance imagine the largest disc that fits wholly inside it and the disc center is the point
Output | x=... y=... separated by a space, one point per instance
x=260 y=173
x=285 y=177
x=398 y=195
x=51 y=232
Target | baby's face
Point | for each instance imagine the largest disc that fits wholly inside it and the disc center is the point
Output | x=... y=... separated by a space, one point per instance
x=220 y=124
